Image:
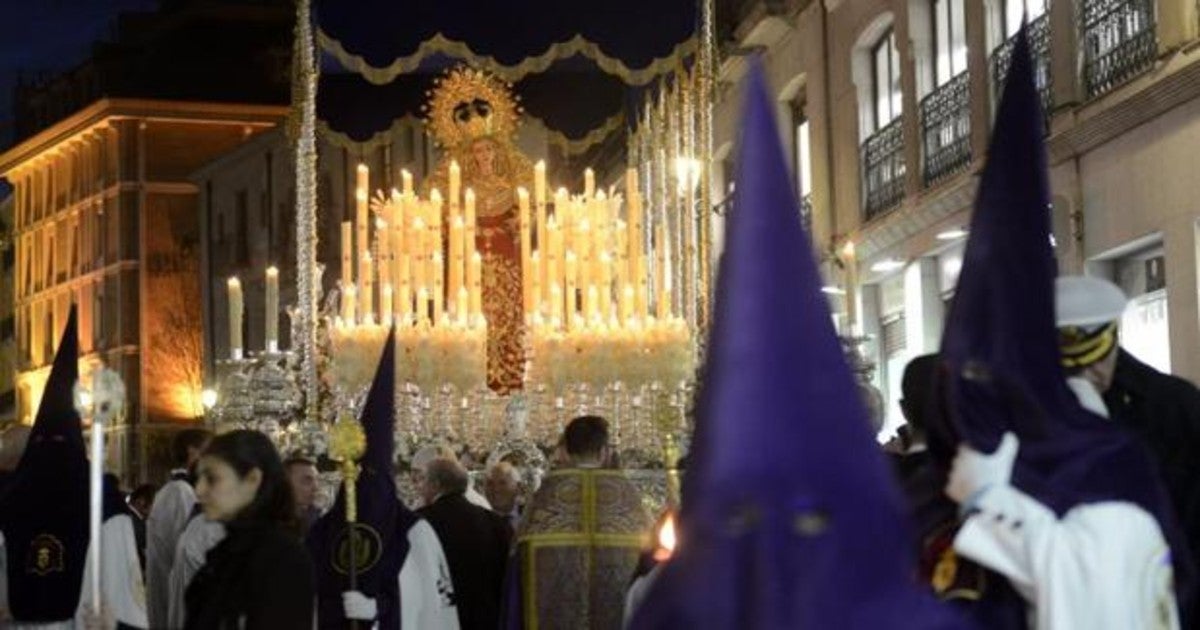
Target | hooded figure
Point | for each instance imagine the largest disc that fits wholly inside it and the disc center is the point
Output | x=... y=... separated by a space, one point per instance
x=791 y=517
x=45 y=542
x=1060 y=473
x=403 y=579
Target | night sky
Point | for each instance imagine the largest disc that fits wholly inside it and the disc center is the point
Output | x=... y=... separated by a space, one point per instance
x=50 y=36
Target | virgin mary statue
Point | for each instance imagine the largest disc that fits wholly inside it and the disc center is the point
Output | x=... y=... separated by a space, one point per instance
x=473 y=117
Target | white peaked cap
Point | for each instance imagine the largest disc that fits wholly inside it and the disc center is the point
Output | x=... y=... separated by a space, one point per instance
x=1086 y=301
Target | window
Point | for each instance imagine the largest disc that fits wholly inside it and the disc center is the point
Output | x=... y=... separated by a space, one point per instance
x=949 y=40
x=885 y=80
x=1012 y=12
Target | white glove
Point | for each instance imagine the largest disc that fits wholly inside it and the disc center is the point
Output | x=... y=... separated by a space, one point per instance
x=973 y=472
x=358 y=606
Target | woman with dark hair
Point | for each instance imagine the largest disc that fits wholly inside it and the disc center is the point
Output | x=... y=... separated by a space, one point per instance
x=260 y=575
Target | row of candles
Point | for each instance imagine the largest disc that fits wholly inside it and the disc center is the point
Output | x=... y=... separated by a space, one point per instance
x=588 y=269
x=424 y=273
x=589 y=265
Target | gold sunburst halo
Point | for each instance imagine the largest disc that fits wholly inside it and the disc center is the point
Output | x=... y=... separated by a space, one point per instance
x=468 y=86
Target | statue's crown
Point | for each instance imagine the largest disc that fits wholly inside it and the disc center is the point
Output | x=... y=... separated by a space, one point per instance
x=466 y=104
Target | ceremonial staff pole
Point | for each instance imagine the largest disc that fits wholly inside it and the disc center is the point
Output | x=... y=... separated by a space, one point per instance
x=104 y=402
x=347 y=444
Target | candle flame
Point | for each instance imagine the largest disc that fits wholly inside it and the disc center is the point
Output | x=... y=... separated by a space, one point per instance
x=848 y=249
x=272 y=271
x=666 y=539
x=234 y=282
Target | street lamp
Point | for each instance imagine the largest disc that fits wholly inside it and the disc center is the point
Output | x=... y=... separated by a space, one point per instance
x=208 y=398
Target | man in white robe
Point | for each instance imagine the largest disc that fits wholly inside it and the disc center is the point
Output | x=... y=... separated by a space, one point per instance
x=173 y=506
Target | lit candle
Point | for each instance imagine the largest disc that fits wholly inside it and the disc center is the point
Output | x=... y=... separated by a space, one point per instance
x=461 y=305
x=347 y=253
x=605 y=287
x=385 y=305
x=476 y=280
x=539 y=202
x=571 y=279
x=539 y=182
x=405 y=303
x=535 y=276
x=366 y=282
x=526 y=265
x=407 y=179
x=583 y=242
x=556 y=303
x=418 y=256
x=362 y=177
x=469 y=220
x=589 y=183
x=382 y=242
x=457 y=258
x=455 y=183
x=236 y=311
x=626 y=303
x=271 y=316
x=439 y=288
x=663 y=306
x=360 y=215
x=349 y=304
x=592 y=299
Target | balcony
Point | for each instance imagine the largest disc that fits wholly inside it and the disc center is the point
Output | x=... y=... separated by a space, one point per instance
x=883 y=169
x=946 y=128
x=1039 y=45
x=1119 y=42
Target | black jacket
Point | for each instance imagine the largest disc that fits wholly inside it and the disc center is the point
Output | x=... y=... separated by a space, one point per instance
x=1164 y=411
x=258 y=573
x=475 y=541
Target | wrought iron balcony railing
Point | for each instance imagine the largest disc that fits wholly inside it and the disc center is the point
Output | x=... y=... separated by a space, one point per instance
x=946 y=128
x=883 y=169
x=1039 y=45
x=1119 y=41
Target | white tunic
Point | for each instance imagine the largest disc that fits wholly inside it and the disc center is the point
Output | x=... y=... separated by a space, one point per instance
x=426 y=592
x=197 y=539
x=121 y=584
x=1101 y=566
x=169 y=515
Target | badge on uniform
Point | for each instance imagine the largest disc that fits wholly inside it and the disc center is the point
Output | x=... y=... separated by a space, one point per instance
x=368 y=549
x=46 y=556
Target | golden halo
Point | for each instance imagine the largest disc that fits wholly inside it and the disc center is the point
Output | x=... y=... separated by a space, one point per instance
x=466 y=104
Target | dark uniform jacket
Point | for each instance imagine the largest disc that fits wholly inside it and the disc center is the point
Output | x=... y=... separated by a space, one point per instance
x=475 y=541
x=1164 y=411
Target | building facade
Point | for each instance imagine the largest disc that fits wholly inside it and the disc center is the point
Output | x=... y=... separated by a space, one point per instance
x=887 y=105
x=104 y=218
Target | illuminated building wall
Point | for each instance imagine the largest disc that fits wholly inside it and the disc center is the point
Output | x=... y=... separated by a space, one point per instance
x=103 y=216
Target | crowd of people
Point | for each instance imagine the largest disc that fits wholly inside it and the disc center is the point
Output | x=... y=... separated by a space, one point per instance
x=1048 y=477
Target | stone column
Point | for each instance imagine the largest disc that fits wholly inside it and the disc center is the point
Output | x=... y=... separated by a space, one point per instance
x=981 y=77
x=911 y=117
x=1181 y=242
x=922 y=306
x=1178 y=23
x=1066 y=56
